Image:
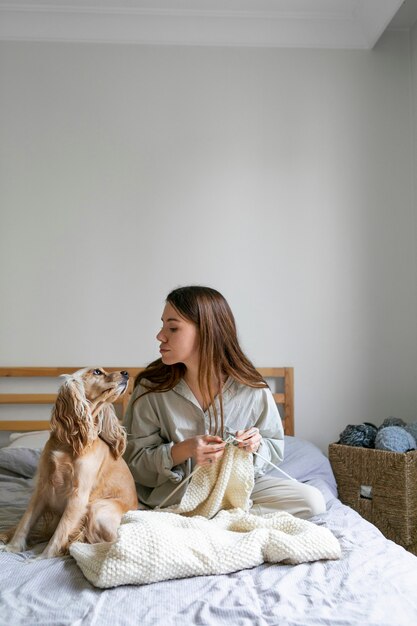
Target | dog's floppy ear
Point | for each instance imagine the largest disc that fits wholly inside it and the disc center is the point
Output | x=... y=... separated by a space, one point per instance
x=71 y=419
x=111 y=431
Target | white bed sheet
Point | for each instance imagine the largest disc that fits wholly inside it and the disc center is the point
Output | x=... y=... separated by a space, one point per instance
x=374 y=584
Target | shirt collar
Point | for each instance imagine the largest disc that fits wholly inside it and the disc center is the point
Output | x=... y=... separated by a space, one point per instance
x=229 y=390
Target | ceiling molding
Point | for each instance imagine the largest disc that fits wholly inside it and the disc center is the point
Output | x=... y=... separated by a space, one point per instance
x=353 y=24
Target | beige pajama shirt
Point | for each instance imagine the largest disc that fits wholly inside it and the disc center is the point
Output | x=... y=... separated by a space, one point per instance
x=156 y=421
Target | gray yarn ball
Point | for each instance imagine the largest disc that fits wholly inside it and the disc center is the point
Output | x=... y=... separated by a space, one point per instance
x=412 y=429
x=392 y=421
x=394 y=439
x=362 y=435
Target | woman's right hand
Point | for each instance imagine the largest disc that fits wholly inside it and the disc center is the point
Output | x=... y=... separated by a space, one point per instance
x=203 y=449
x=207 y=449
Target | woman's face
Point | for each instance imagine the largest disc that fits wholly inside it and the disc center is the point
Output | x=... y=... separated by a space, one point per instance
x=178 y=338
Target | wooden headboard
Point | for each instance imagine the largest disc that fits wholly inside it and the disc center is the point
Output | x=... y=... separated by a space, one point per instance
x=282 y=377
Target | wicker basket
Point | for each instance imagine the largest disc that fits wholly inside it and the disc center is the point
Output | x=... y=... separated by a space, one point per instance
x=382 y=487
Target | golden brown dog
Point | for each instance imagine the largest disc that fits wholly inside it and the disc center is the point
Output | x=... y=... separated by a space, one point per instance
x=83 y=486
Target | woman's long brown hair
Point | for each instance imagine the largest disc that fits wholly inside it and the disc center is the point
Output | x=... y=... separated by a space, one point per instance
x=220 y=353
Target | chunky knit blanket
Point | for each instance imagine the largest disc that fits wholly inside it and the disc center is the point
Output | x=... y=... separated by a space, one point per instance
x=209 y=532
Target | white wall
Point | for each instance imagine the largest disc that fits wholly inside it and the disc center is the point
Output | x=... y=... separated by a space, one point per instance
x=413 y=40
x=281 y=177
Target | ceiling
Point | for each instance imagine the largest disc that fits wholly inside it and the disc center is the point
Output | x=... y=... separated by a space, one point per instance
x=352 y=24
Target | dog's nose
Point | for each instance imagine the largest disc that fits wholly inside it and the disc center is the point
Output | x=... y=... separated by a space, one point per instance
x=125 y=374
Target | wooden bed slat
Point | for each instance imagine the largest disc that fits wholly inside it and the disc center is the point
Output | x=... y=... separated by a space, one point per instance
x=289 y=400
x=27 y=398
x=285 y=398
x=24 y=425
x=54 y=372
x=34 y=398
x=272 y=372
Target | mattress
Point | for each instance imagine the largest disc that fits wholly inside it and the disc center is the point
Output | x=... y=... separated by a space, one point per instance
x=374 y=583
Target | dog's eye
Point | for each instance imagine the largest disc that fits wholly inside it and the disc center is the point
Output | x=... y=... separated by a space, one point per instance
x=98 y=373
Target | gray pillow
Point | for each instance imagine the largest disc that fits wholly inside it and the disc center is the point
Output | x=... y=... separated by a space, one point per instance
x=306 y=462
x=20 y=461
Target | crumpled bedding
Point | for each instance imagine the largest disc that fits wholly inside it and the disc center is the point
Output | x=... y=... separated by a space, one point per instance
x=218 y=539
x=373 y=584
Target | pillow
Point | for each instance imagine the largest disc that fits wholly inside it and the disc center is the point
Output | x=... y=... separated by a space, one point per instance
x=19 y=462
x=35 y=439
x=306 y=462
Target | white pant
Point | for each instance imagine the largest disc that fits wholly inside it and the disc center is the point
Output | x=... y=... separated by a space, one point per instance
x=271 y=494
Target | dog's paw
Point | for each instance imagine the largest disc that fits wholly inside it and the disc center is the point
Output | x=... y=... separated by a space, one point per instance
x=11 y=547
x=51 y=552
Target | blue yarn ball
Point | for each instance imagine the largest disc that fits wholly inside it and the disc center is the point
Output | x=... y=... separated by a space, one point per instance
x=392 y=421
x=412 y=429
x=394 y=439
x=362 y=435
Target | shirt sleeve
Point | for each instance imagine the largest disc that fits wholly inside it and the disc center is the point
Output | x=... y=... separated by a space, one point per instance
x=270 y=427
x=148 y=454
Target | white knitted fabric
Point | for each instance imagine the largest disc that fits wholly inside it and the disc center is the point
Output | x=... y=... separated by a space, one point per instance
x=179 y=542
x=226 y=484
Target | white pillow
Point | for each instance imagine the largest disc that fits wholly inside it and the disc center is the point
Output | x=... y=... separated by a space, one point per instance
x=35 y=439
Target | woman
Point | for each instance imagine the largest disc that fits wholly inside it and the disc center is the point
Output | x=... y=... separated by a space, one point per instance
x=202 y=387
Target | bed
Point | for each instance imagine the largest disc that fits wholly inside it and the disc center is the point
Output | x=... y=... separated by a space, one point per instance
x=374 y=583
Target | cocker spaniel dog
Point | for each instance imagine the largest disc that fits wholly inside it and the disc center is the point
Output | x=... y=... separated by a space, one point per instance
x=83 y=486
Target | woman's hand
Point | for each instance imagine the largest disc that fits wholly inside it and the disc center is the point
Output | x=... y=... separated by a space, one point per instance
x=204 y=449
x=249 y=439
x=207 y=449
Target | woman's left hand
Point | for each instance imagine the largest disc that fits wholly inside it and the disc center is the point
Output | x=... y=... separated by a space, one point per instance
x=249 y=439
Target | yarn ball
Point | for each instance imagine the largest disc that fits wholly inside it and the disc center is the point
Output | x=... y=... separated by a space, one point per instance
x=392 y=421
x=362 y=435
x=412 y=429
x=394 y=439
